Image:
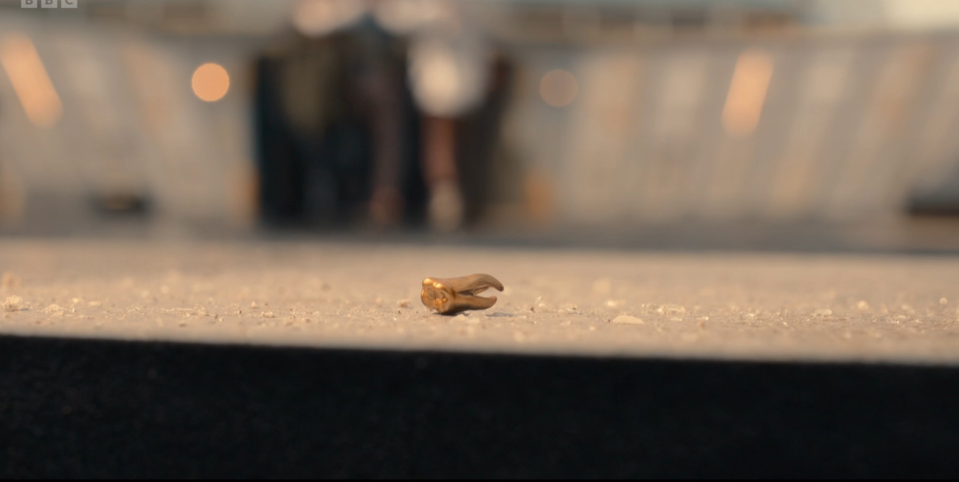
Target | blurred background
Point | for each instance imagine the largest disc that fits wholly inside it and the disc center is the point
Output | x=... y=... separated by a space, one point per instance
x=746 y=123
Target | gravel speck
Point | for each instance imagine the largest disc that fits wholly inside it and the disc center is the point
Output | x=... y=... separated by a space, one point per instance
x=671 y=309
x=627 y=320
x=12 y=304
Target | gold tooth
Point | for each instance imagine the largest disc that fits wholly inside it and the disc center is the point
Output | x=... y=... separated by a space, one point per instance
x=454 y=295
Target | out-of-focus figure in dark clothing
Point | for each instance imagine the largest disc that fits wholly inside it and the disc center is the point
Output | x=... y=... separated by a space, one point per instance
x=376 y=111
x=457 y=85
x=330 y=121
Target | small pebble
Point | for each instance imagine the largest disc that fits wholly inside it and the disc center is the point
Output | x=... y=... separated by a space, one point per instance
x=862 y=306
x=627 y=320
x=268 y=314
x=54 y=310
x=12 y=304
x=403 y=303
x=943 y=301
x=671 y=309
x=823 y=312
x=615 y=303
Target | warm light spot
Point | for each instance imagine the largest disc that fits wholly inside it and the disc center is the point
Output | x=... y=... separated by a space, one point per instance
x=747 y=93
x=558 y=88
x=314 y=18
x=30 y=80
x=438 y=78
x=211 y=82
x=402 y=17
x=447 y=81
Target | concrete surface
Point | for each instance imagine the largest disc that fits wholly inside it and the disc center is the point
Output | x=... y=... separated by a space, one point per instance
x=702 y=305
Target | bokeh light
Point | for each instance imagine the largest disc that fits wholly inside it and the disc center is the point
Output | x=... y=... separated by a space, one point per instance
x=747 y=93
x=447 y=81
x=211 y=82
x=30 y=80
x=558 y=88
x=315 y=18
x=402 y=17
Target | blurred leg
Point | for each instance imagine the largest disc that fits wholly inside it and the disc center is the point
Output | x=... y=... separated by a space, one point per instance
x=384 y=86
x=442 y=178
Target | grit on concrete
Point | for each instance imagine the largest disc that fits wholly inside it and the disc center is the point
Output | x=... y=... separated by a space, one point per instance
x=720 y=305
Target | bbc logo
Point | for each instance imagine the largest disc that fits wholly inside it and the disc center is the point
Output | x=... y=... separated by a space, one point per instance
x=48 y=3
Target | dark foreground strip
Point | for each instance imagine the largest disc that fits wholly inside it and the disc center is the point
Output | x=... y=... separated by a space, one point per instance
x=82 y=408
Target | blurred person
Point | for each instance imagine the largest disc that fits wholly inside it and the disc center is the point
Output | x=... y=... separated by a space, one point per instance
x=370 y=105
x=452 y=73
x=330 y=120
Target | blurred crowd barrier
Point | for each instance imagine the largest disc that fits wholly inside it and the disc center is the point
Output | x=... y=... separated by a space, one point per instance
x=102 y=120
x=504 y=114
x=811 y=127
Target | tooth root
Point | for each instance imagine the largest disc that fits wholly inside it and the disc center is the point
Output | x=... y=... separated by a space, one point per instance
x=475 y=283
x=475 y=302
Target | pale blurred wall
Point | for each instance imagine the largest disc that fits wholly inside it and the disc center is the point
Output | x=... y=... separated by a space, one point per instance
x=611 y=123
x=832 y=116
x=921 y=14
x=824 y=129
x=131 y=122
